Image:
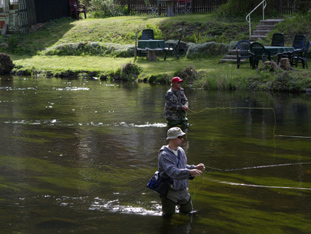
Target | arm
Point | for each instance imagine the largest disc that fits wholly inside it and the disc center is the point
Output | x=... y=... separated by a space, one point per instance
x=196 y=170
x=184 y=100
x=169 y=165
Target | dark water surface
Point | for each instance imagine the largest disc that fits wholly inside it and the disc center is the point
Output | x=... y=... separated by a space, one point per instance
x=75 y=157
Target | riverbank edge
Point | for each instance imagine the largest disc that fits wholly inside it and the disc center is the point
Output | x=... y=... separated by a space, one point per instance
x=263 y=79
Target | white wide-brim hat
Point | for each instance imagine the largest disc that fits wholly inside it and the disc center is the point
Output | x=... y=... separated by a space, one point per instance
x=174 y=132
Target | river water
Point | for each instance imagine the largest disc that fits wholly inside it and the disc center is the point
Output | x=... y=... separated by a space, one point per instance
x=76 y=155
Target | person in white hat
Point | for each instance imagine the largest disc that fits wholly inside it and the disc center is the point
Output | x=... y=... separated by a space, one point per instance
x=176 y=105
x=172 y=162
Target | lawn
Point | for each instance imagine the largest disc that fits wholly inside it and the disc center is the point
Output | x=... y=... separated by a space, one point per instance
x=199 y=28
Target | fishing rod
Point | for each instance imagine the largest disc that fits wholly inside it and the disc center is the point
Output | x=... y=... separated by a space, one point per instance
x=255 y=167
x=249 y=168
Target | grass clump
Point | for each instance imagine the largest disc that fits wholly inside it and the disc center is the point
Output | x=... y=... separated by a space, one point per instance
x=91 y=49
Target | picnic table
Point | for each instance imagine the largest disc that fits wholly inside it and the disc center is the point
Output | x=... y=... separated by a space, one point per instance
x=276 y=50
x=151 y=46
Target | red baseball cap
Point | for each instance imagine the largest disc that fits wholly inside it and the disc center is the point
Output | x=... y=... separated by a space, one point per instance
x=176 y=79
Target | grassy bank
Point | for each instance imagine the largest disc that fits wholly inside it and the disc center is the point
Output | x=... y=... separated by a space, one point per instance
x=26 y=53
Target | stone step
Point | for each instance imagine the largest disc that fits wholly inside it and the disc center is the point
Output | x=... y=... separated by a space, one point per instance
x=264 y=27
x=232 y=52
x=224 y=60
x=261 y=32
x=270 y=21
x=257 y=37
x=228 y=56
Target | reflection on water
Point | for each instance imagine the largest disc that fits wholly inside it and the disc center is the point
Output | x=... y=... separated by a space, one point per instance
x=76 y=156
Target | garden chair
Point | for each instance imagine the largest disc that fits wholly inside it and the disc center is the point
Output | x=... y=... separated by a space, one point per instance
x=301 y=56
x=172 y=47
x=147 y=34
x=298 y=44
x=76 y=8
x=151 y=9
x=258 y=52
x=242 y=52
x=277 y=39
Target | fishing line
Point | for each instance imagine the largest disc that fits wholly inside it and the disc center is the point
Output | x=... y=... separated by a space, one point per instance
x=255 y=167
x=249 y=168
x=252 y=108
x=258 y=185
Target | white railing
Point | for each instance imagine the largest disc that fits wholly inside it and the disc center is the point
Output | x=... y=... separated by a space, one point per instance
x=248 y=17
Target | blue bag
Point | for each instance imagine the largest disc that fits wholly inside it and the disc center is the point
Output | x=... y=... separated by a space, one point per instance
x=159 y=184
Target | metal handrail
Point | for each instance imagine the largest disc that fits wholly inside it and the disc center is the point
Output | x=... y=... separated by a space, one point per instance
x=248 y=17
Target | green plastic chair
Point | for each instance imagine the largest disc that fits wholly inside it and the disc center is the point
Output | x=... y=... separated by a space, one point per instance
x=301 y=57
x=258 y=52
x=242 y=52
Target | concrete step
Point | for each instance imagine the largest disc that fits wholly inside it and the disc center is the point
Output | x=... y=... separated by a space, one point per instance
x=270 y=21
x=228 y=56
x=224 y=60
x=261 y=32
x=232 y=52
x=264 y=27
x=256 y=37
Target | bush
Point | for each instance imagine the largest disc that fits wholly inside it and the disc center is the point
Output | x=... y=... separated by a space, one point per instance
x=91 y=48
x=188 y=74
x=106 y=8
x=129 y=72
x=6 y=64
x=206 y=50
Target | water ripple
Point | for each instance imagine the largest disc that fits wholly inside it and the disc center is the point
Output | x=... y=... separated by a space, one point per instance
x=114 y=206
x=53 y=122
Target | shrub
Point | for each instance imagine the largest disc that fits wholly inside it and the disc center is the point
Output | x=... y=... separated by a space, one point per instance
x=6 y=64
x=91 y=48
x=206 y=50
x=105 y=8
x=129 y=72
x=188 y=74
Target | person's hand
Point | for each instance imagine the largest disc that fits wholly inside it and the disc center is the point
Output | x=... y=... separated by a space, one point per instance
x=195 y=172
x=200 y=167
x=185 y=108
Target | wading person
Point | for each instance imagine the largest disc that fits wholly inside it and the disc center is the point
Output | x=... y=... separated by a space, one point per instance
x=172 y=162
x=176 y=105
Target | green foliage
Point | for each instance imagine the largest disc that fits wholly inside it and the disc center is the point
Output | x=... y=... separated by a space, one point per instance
x=188 y=74
x=206 y=50
x=243 y=7
x=236 y=7
x=106 y=8
x=129 y=72
x=296 y=24
x=268 y=78
x=156 y=30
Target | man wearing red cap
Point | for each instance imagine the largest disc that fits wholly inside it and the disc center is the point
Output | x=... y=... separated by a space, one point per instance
x=176 y=105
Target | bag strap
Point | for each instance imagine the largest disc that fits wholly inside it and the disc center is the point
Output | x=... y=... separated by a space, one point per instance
x=178 y=158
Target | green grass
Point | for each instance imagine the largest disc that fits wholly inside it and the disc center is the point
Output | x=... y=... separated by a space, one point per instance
x=121 y=30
